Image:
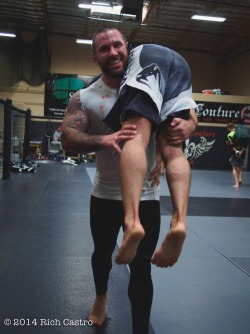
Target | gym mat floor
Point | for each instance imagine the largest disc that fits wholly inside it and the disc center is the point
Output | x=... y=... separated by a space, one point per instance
x=46 y=283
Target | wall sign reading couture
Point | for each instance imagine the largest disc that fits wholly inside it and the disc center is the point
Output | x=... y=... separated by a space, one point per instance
x=58 y=90
x=223 y=113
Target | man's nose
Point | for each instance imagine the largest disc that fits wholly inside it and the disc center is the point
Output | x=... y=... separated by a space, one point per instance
x=113 y=51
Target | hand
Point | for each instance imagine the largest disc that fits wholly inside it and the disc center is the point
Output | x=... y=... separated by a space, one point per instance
x=127 y=132
x=180 y=129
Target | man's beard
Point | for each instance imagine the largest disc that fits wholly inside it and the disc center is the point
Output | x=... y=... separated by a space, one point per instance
x=113 y=74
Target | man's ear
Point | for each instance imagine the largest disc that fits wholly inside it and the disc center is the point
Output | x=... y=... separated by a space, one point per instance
x=95 y=59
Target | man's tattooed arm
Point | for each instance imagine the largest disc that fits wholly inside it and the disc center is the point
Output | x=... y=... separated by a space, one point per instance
x=75 y=135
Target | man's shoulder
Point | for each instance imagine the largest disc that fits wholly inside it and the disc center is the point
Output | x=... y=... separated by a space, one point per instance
x=90 y=90
x=97 y=87
x=92 y=86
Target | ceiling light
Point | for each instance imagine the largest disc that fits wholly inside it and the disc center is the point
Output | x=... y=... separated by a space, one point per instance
x=95 y=3
x=83 y=41
x=7 y=34
x=84 y=6
x=129 y=15
x=208 y=18
x=107 y=9
x=102 y=19
x=97 y=7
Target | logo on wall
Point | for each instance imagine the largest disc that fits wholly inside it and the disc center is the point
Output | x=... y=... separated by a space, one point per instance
x=58 y=90
x=194 y=150
x=245 y=114
x=207 y=148
x=211 y=112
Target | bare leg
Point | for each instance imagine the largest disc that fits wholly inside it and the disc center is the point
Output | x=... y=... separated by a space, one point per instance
x=133 y=168
x=178 y=178
x=240 y=172
x=97 y=313
x=236 y=177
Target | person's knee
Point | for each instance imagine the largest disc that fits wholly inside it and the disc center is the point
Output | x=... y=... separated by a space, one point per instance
x=169 y=152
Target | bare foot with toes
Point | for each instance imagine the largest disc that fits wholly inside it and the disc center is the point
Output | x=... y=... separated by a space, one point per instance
x=131 y=240
x=170 y=250
x=98 y=312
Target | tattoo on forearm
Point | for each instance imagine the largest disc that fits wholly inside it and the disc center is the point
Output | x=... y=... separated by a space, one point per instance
x=75 y=129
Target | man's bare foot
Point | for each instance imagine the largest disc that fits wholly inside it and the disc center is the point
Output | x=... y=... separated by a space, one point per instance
x=170 y=250
x=97 y=313
x=131 y=240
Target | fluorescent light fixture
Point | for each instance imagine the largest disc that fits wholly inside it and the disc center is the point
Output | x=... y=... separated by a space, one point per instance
x=129 y=15
x=107 y=9
x=97 y=7
x=83 y=41
x=102 y=19
x=208 y=18
x=95 y=3
x=84 y=6
x=7 y=34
